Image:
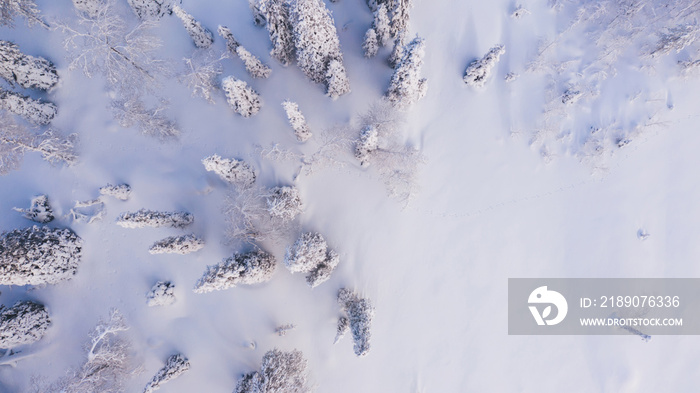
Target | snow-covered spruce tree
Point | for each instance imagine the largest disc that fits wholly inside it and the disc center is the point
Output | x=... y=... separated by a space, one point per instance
x=400 y=16
x=398 y=49
x=202 y=37
x=120 y=191
x=370 y=44
x=258 y=17
x=359 y=313
x=316 y=42
x=297 y=121
x=230 y=170
x=337 y=82
x=406 y=85
x=39 y=211
x=9 y=9
x=381 y=25
x=253 y=65
x=310 y=254
x=183 y=245
x=367 y=144
x=241 y=269
x=243 y=99
x=175 y=366
x=375 y=4
x=107 y=365
x=155 y=219
x=279 y=27
x=132 y=112
x=281 y=372
x=24 y=323
x=342 y=328
x=284 y=203
x=479 y=70
x=162 y=294
x=149 y=9
x=27 y=71
x=34 y=111
x=38 y=255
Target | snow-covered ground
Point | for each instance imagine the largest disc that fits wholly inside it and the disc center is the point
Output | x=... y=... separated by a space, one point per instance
x=496 y=200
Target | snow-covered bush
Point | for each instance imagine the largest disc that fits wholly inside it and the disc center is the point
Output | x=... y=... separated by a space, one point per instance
x=370 y=44
x=27 y=71
x=479 y=70
x=283 y=329
x=35 y=111
x=367 y=144
x=35 y=256
x=155 y=219
x=120 y=191
x=281 y=372
x=146 y=9
x=337 y=82
x=310 y=254
x=230 y=170
x=359 y=312
x=201 y=73
x=243 y=99
x=202 y=37
x=183 y=245
x=39 y=211
x=25 y=8
x=297 y=121
x=87 y=211
x=284 y=203
x=279 y=27
x=175 y=366
x=253 y=65
x=407 y=86
x=400 y=16
x=241 y=269
x=162 y=294
x=24 y=323
x=132 y=112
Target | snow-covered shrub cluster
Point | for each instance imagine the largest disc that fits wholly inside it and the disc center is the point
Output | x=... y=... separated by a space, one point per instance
x=230 y=170
x=120 y=191
x=39 y=211
x=183 y=245
x=243 y=99
x=28 y=9
x=284 y=203
x=146 y=9
x=23 y=323
x=241 y=269
x=283 y=329
x=27 y=71
x=38 y=255
x=155 y=219
x=175 y=366
x=35 y=111
x=478 y=71
x=310 y=254
x=281 y=372
x=253 y=65
x=202 y=37
x=162 y=294
x=297 y=121
x=132 y=112
x=359 y=313
x=407 y=86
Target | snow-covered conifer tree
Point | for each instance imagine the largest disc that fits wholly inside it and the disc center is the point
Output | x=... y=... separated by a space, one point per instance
x=162 y=294
x=241 y=269
x=342 y=329
x=337 y=82
x=281 y=372
x=284 y=203
x=375 y=4
x=297 y=121
x=27 y=71
x=202 y=37
x=279 y=27
x=368 y=143
x=40 y=210
x=398 y=49
x=35 y=111
x=24 y=323
x=175 y=366
x=253 y=65
x=400 y=16
x=381 y=25
x=25 y=8
x=120 y=191
x=258 y=17
x=183 y=245
x=406 y=85
x=148 y=9
x=38 y=255
x=370 y=44
x=230 y=170
x=310 y=254
x=359 y=312
x=155 y=219
x=243 y=99
x=479 y=70
x=322 y=272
